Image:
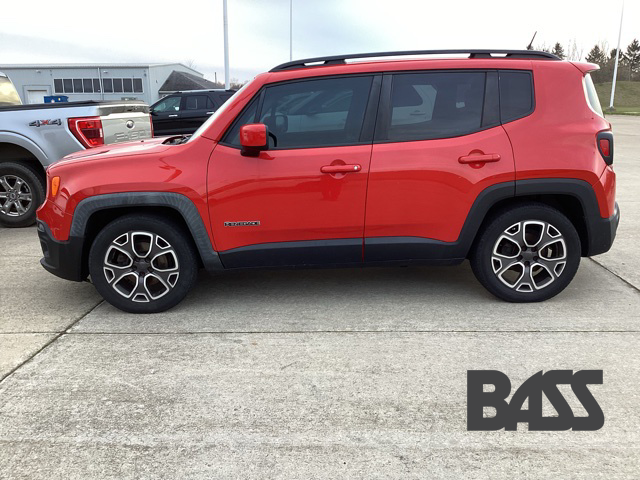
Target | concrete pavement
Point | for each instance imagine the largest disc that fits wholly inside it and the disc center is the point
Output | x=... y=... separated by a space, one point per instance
x=314 y=374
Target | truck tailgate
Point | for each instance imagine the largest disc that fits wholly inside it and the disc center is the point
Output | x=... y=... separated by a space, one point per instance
x=119 y=127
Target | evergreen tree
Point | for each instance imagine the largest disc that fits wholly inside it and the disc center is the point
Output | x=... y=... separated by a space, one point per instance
x=597 y=56
x=632 y=58
x=558 y=51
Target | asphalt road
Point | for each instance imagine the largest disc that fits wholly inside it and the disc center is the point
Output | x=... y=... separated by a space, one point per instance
x=317 y=373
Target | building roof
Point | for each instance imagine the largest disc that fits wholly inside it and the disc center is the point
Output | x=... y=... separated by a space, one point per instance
x=178 y=81
x=93 y=65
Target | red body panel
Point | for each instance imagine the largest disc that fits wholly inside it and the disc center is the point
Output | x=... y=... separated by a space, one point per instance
x=287 y=192
x=558 y=140
x=133 y=167
x=420 y=189
x=417 y=188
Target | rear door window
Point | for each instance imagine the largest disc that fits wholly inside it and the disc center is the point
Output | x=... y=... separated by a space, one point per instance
x=196 y=102
x=434 y=105
x=516 y=94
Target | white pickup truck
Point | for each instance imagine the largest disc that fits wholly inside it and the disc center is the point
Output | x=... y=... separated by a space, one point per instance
x=34 y=136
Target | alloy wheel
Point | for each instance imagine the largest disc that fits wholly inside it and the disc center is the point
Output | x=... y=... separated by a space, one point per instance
x=529 y=255
x=15 y=196
x=141 y=266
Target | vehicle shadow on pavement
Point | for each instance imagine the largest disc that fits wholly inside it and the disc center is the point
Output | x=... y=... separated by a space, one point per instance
x=375 y=299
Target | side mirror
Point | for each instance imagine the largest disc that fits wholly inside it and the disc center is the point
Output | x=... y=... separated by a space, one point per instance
x=254 y=138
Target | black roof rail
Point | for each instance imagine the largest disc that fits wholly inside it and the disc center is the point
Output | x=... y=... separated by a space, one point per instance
x=340 y=59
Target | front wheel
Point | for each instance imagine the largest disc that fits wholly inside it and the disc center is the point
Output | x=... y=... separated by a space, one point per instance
x=142 y=264
x=529 y=253
x=21 y=193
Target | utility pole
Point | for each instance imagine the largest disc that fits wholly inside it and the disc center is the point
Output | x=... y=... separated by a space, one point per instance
x=227 y=83
x=290 y=30
x=615 y=67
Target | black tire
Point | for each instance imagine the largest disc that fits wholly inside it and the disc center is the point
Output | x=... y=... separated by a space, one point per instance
x=33 y=186
x=125 y=240
x=509 y=273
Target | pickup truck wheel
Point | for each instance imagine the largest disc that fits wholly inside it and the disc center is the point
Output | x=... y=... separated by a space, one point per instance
x=527 y=254
x=142 y=264
x=21 y=193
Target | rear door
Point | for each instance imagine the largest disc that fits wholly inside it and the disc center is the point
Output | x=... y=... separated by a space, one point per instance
x=302 y=201
x=196 y=108
x=438 y=145
x=165 y=115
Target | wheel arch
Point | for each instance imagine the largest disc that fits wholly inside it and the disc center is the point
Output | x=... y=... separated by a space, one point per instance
x=13 y=152
x=93 y=213
x=575 y=198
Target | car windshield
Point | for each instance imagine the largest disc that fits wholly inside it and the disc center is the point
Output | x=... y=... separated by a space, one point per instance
x=215 y=115
x=8 y=93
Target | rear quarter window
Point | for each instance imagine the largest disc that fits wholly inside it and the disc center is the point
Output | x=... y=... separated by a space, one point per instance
x=592 y=95
x=516 y=95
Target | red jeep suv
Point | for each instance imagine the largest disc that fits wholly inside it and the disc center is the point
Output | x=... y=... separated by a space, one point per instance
x=501 y=157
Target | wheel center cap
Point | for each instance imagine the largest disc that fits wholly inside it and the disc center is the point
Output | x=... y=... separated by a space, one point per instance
x=12 y=196
x=142 y=265
x=528 y=255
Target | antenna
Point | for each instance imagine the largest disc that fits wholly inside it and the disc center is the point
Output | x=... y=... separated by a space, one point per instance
x=530 y=46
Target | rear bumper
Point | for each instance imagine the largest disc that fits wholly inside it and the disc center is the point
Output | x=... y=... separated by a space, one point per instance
x=602 y=232
x=63 y=259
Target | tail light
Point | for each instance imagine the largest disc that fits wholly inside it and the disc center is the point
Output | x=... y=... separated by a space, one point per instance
x=605 y=146
x=88 y=131
x=151 y=122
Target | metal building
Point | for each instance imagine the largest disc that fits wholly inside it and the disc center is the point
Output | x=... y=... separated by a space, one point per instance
x=96 y=81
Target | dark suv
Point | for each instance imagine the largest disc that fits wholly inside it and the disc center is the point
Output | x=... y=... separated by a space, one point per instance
x=184 y=112
x=503 y=158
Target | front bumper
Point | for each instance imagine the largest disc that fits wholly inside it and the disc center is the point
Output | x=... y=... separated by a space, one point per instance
x=602 y=232
x=63 y=259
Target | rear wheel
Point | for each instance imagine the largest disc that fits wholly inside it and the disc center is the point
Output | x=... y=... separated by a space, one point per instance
x=22 y=191
x=142 y=264
x=527 y=254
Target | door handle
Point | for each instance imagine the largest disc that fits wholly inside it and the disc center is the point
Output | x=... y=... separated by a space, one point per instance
x=490 y=157
x=171 y=116
x=340 y=168
x=209 y=113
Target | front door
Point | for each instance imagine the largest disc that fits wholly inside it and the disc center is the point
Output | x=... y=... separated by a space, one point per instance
x=438 y=145
x=301 y=202
x=165 y=116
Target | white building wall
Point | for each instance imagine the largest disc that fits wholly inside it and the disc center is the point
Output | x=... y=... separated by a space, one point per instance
x=32 y=83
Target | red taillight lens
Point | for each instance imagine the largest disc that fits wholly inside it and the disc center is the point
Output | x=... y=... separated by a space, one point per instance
x=88 y=131
x=604 y=141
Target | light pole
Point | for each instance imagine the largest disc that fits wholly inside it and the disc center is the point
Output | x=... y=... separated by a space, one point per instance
x=615 y=67
x=227 y=83
x=290 y=30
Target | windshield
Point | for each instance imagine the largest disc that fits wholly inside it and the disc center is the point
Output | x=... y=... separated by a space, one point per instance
x=8 y=93
x=217 y=113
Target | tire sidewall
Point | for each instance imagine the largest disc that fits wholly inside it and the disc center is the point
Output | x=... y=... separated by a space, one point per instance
x=35 y=183
x=481 y=260
x=171 y=233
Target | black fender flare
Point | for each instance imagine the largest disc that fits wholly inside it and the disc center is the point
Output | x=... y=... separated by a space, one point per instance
x=180 y=203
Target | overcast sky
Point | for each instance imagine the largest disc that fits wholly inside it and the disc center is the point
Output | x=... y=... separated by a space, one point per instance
x=42 y=31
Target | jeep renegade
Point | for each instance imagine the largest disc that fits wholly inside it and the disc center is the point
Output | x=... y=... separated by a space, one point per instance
x=500 y=157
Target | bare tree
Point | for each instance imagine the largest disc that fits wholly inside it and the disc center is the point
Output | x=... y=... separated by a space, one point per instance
x=574 y=52
x=191 y=63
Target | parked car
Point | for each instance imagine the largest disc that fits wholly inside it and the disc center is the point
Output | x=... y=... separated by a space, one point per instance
x=504 y=160
x=32 y=137
x=184 y=112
